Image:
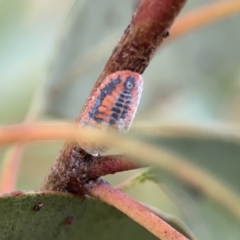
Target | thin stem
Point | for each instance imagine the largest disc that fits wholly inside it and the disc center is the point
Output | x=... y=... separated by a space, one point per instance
x=189 y=173
x=203 y=16
x=214 y=130
x=10 y=167
x=135 y=211
x=138 y=178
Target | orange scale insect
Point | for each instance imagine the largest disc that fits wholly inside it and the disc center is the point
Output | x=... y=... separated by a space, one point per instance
x=113 y=105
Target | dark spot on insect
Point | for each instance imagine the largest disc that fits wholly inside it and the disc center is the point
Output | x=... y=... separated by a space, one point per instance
x=98 y=120
x=130 y=83
x=116 y=110
x=121 y=99
x=119 y=104
x=115 y=115
x=112 y=121
x=126 y=107
x=69 y=220
x=125 y=111
x=38 y=207
x=166 y=34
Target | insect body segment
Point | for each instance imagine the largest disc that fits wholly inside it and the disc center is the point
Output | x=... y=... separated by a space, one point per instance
x=113 y=105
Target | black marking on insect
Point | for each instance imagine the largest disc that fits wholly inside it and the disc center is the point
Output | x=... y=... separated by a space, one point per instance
x=107 y=90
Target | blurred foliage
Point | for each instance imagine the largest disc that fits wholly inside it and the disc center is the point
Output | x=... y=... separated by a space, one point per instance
x=205 y=217
x=194 y=79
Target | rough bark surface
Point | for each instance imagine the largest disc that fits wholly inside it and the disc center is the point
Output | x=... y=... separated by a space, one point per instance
x=150 y=24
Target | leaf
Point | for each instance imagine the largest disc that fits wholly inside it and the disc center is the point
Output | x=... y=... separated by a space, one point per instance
x=54 y=215
x=43 y=215
x=220 y=157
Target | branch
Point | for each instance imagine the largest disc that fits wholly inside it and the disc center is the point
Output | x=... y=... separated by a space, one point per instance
x=193 y=175
x=148 y=27
x=71 y=176
x=135 y=211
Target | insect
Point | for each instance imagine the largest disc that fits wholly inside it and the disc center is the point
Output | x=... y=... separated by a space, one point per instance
x=113 y=105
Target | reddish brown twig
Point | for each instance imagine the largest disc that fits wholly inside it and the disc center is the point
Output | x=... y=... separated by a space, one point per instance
x=177 y=166
x=81 y=168
x=111 y=164
x=135 y=211
x=148 y=27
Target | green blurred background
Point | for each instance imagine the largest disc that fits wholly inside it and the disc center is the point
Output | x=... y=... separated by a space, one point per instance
x=52 y=53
